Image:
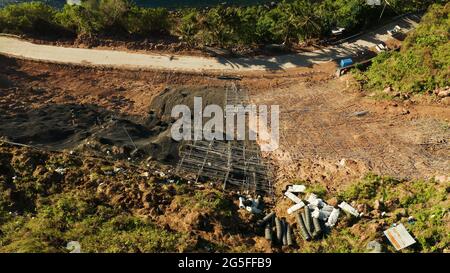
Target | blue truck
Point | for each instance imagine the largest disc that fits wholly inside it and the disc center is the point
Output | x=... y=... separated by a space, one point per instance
x=346 y=62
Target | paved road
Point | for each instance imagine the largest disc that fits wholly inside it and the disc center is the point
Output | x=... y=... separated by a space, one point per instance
x=19 y=48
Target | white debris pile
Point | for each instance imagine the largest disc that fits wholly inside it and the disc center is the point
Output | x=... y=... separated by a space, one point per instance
x=313 y=215
x=315 y=218
x=253 y=205
x=349 y=209
x=316 y=214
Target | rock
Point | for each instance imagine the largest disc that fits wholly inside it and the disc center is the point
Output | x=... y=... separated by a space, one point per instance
x=364 y=208
x=74 y=247
x=445 y=101
x=378 y=205
x=443 y=93
x=404 y=111
x=442 y=179
x=374 y=247
x=387 y=90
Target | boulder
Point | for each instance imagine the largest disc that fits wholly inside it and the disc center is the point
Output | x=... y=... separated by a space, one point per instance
x=445 y=101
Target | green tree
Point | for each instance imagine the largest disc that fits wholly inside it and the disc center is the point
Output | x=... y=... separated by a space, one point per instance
x=246 y=27
x=33 y=17
x=147 y=21
x=423 y=63
x=77 y=19
x=188 y=27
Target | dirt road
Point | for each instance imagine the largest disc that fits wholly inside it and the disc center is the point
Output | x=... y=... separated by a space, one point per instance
x=23 y=49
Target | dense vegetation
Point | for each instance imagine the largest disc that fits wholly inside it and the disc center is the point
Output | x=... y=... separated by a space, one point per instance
x=287 y=22
x=423 y=63
x=105 y=206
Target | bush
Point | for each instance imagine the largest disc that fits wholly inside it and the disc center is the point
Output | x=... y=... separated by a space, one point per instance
x=111 y=14
x=147 y=21
x=188 y=26
x=77 y=19
x=98 y=228
x=112 y=17
x=33 y=17
x=289 y=22
x=422 y=64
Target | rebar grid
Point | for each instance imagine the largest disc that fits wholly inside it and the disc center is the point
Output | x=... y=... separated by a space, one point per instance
x=232 y=162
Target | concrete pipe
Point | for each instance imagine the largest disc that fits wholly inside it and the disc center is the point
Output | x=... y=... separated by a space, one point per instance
x=267 y=219
x=279 y=229
x=301 y=225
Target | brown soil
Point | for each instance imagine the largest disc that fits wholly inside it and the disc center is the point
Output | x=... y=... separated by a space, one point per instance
x=151 y=197
x=124 y=91
x=324 y=141
x=321 y=138
x=95 y=109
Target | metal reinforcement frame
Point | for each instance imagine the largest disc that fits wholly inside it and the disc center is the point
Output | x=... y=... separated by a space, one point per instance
x=235 y=163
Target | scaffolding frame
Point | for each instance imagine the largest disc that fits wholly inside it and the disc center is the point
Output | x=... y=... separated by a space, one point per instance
x=234 y=163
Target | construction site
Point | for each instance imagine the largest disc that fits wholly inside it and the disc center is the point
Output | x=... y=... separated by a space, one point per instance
x=102 y=133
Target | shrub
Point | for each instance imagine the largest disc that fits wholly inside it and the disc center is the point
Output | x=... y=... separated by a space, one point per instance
x=96 y=16
x=370 y=187
x=98 y=228
x=147 y=21
x=33 y=17
x=289 y=22
x=110 y=17
x=112 y=14
x=188 y=26
x=422 y=64
x=77 y=19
